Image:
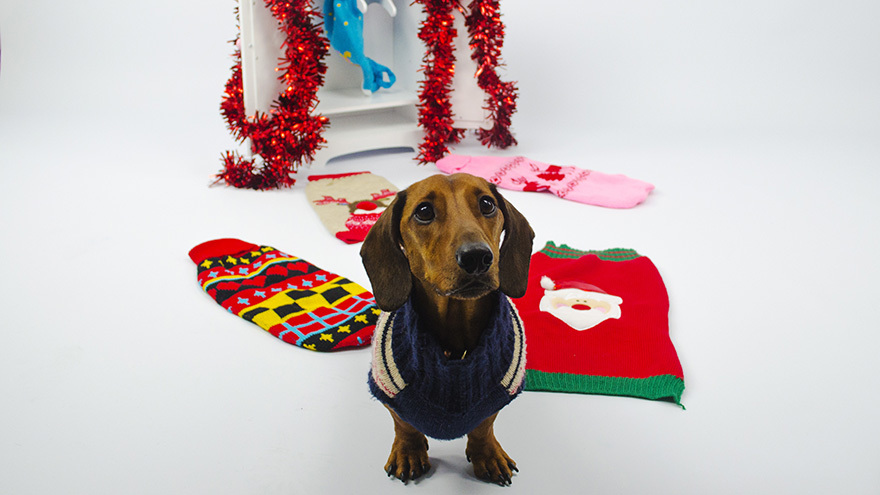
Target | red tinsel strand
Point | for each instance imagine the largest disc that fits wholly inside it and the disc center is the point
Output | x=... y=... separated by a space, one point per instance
x=290 y=134
x=486 y=33
x=239 y=172
x=435 y=111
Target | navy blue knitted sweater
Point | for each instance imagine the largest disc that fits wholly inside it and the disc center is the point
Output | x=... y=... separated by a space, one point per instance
x=447 y=398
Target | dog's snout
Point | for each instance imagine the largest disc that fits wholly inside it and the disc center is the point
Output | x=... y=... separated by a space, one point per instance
x=474 y=259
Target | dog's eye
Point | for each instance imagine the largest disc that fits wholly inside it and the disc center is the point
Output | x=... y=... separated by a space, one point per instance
x=424 y=213
x=487 y=206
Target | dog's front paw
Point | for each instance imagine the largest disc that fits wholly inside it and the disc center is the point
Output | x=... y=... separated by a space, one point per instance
x=490 y=462
x=408 y=459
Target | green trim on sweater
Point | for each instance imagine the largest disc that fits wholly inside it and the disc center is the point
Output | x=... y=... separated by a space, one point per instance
x=564 y=251
x=662 y=387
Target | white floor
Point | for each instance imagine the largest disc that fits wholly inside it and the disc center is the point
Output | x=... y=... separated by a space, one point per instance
x=757 y=121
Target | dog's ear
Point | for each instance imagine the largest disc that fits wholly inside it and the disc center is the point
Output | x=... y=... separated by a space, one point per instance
x=386 y=265
x=516 y=250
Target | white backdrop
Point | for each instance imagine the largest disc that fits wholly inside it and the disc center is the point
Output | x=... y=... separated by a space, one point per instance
x=756 y=121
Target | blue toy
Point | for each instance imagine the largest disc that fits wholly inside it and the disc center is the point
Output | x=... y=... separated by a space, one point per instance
x=344 y=23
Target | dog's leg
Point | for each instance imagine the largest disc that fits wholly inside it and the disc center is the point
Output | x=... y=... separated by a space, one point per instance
x=409 y=452
x=490 y=461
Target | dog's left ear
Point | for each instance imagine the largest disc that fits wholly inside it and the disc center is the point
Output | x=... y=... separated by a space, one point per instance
x=516 y=250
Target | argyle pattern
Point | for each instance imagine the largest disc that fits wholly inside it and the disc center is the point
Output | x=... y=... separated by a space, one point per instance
x=291 y=298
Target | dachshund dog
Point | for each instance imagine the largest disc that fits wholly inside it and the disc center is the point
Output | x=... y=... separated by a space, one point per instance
x=441 y=274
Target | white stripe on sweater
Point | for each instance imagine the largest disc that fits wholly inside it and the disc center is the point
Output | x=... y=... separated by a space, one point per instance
x=385 y=372
x=517 y=370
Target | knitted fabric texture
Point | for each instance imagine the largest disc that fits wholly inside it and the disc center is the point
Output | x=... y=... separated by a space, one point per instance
x=349 y=204
x=597 y=323
x=441 y=397
x=288 y=297
x=572 y=183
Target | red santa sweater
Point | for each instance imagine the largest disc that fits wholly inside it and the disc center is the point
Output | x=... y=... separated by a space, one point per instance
x=596 y=322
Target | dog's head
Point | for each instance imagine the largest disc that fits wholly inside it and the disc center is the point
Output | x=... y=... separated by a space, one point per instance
x=446 y=232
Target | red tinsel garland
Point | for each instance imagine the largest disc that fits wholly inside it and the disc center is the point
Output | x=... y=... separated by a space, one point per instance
x=486 y=32
x=435 y=111
x=290 y=134
x=487 y=37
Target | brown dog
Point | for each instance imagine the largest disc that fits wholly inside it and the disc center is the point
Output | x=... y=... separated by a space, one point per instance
x=437 y=252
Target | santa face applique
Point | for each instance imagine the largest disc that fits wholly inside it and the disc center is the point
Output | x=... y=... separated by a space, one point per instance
x=581 y=306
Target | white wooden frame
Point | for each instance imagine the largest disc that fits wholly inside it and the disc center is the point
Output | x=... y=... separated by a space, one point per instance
x=361 y=122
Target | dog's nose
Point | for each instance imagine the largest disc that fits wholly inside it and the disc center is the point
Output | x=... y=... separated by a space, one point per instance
x=474 y=259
